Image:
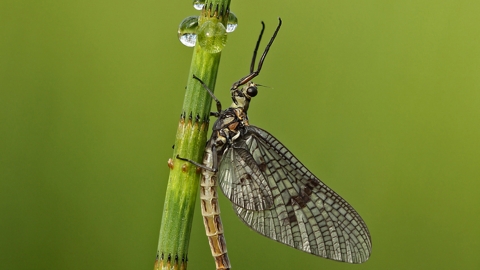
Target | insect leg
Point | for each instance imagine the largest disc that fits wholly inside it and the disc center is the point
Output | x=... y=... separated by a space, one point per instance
x=215 y=161
x=195 y=163
x=219 y=105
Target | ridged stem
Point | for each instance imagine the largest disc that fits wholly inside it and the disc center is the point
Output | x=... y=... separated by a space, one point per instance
x=183 y=182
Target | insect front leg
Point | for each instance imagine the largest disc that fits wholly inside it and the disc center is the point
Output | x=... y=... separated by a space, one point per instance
x=216 y=114
x=219 y=104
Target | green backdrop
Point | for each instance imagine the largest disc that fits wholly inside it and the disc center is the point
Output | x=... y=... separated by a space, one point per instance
x=380 y=99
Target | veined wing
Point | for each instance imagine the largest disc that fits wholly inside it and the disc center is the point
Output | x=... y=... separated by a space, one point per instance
x=242 y=181
x=306 y=214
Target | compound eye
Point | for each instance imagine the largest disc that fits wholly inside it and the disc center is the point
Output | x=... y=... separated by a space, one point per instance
x=252 y=91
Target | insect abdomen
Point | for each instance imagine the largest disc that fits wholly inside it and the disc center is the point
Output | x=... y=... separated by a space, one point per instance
x=211 y=214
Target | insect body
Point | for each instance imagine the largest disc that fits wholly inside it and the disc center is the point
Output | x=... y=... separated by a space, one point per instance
x=271 y=190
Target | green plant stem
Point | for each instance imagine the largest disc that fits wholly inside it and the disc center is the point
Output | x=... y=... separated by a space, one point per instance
x=183 y=182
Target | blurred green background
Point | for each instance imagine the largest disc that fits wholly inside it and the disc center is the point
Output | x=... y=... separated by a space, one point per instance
x=380 y=99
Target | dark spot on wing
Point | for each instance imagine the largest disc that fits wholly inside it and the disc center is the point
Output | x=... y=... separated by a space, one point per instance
x=262 y=165
x=299 y=201
x=302 y=198
x=313 y=183
x=292 y=218
x=245 y=179
x=307 y=190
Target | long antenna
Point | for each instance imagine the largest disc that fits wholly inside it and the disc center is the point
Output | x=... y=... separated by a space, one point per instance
x=252 y=65
x=254 y=74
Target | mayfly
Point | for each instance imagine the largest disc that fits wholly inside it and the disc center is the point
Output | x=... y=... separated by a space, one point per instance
x=271 y=190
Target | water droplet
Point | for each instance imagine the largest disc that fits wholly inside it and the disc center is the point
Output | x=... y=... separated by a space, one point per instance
x=198 y=4
x=212 y=36
x=232 y=22
x=187 y=31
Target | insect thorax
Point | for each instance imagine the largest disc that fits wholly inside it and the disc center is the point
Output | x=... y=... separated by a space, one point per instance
x=229 y=127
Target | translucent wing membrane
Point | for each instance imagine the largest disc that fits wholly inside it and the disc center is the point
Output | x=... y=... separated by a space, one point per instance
x=306 y=214
x=243 y=182
x=272 y=192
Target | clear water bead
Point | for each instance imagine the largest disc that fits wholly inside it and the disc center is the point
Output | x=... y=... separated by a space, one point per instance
x=198 y=4
x=232 y=22
x=187 y=31
x=212 y=36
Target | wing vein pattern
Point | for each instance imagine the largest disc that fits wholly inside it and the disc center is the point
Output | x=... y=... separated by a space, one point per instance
x=282 y=200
